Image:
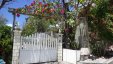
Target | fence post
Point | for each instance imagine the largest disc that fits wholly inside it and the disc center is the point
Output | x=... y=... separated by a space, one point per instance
x=60 y=58
x=16 y=46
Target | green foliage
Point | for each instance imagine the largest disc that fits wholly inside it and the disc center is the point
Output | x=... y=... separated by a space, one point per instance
x=102 y=9
x=100 y=23
x=98 y=48
x=6 y=43
x=75 y=46
x=35 y=24
x=81 y=1
x=71 y=22
x=97 y=2
x=101 y=20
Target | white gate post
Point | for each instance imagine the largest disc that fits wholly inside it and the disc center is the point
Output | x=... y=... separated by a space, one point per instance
x=16 y=46
x=60 y=48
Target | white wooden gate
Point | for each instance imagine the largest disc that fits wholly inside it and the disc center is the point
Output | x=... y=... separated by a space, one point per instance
x=38 y=47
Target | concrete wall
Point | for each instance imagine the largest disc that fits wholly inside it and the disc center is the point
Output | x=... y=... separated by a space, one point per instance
x=71 y=56
x=16 y=46
x=60 y=54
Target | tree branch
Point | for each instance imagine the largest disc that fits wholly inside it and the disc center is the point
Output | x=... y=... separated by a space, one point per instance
x=4 y=2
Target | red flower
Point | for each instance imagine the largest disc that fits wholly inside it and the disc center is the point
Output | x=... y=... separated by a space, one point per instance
x=32 y=4
x=43 y=10
x=40 y=3
x=17 y=15
x=45 y=5
x=62 y=11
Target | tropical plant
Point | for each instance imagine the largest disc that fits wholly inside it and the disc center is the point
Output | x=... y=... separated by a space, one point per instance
x=6 y=43
x=35 y=24
x=100 y=24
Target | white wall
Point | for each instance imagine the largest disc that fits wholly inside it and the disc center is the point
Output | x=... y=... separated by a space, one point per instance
x=71 y=56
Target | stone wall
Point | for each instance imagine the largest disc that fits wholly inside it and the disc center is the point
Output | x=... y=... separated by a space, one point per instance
x=60 y=54
x=16 y=46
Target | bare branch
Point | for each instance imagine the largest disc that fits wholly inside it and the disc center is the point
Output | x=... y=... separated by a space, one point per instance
x=4 y=2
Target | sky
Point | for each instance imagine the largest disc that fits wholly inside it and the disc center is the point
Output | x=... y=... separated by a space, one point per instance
x=16 y=4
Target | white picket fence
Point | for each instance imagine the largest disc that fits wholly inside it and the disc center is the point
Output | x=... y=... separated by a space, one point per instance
x=38 y=47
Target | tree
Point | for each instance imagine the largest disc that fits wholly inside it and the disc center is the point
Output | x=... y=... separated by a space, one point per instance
x=50 y=11
x=35 y=24
x=57 y=11
x=101 y=29
x=3 y=2
x=60 y=11
x=5 y=41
